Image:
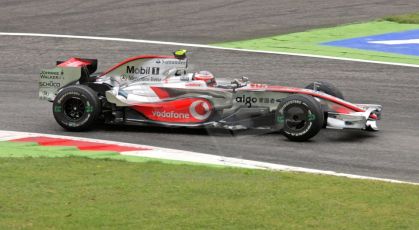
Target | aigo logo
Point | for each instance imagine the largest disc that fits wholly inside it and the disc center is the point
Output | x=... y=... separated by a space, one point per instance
x=246 y=100
x=200 y=110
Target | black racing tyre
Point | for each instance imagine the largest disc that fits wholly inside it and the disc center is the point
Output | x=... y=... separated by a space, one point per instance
x=76 y=107
x=300 y=117
x=326 y=87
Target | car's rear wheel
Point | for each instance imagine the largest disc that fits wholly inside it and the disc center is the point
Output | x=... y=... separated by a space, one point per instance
x=76 y=107
x=300 y=117
x=326 y=87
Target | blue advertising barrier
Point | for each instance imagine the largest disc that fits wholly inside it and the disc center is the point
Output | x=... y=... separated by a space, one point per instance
x=406 y=42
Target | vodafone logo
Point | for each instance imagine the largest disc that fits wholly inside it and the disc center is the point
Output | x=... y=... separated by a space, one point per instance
x=200 y=110
x=185 y=110
x=171 y=114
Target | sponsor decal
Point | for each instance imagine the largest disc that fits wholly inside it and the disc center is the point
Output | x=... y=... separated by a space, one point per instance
x=406 y=42
x=89 y=109
x=311 y=117
x=200 y=110
x=246 y=100
x=174 y=62
x=193 y=84
x=141 y=74
x=188 y=110
x=126 y=77
x=57 y=108
x=184 y=78
x=51 y=75
x=280 y=119
x=50 y=84
x=129 y=77
x=171 y=62
x=256 y=85
x=171 y=114
x=249 y=101
x=51 y=72
x=71 y=93
x=143 y=70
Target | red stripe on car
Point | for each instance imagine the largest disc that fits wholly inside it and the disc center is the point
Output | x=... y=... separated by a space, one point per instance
x=333 y=99
x=133 y=59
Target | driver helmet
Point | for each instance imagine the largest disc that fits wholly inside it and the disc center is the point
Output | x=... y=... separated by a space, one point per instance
x=205 y=76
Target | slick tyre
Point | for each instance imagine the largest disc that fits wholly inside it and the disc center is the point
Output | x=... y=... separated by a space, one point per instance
x=76 y=108
x=300 y=117
x=326 y=87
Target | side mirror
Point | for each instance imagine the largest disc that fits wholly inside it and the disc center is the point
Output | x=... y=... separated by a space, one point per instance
x=244 y=79
x=316 y=85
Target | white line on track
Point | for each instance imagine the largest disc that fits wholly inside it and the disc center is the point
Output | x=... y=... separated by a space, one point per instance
x=200 y=46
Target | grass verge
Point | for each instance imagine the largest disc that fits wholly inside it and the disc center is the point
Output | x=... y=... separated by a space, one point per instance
x=412 y=18
x=83 y=193
x=309 y=42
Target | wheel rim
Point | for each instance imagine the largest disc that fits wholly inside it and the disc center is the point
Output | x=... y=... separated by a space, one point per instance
x=296 y=118
x=74 y=109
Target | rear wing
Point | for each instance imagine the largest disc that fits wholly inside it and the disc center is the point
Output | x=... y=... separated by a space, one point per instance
x=65 y=73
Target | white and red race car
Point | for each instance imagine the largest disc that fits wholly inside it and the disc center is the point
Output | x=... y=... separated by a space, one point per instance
x=159 y=90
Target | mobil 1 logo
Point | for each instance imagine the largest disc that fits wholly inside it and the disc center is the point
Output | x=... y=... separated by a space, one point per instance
x=141 y=73
x=143 y=70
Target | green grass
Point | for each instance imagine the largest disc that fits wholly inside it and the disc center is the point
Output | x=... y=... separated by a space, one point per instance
x=309 y=42
x=83 y=193
x=412 y=18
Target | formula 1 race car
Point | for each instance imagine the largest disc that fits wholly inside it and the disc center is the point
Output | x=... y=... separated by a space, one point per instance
x=159 y=90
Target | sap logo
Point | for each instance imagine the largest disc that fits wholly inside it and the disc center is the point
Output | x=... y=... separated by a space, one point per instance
x=143 y=70
x=246 y=100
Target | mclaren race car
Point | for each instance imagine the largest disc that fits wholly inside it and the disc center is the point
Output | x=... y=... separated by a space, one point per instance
x=159 y=90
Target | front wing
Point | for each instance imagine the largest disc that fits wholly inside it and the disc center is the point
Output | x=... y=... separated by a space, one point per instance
x=358 y=120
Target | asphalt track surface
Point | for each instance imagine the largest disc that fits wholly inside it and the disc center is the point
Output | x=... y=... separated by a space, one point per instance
x=197 y=21
x=391 y=153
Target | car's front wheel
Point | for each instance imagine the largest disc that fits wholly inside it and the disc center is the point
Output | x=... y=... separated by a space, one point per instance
x=300 y=117
x=76 y=107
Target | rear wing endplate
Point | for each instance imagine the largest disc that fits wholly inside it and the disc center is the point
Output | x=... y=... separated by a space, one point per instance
x=52 y=80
